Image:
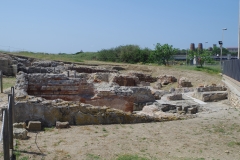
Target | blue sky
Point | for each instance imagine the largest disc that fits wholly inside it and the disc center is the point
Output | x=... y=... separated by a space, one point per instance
x=69 y=26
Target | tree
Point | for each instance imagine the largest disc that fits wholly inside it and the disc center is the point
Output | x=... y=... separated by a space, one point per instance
x=79 y=52
x=201 y=56
x=217 y=50
x=163 y=53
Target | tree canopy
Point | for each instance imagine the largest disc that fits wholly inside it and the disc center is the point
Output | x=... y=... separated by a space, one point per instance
x=134 y=54
x=164 y=53
x=201 y=56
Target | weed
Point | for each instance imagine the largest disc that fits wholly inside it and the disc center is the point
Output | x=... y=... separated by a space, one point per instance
x=57 y=143
x=16 y=152
x=105 y=135
x=130 y=157
x=104 y=129
x=221 y=130
x=8 y=82
x=67 y=156
x=92 y=157
x=232 y=144
x=24 y=158
x=48 y=129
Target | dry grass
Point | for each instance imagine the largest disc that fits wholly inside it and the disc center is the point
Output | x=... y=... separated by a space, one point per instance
x=9 y=82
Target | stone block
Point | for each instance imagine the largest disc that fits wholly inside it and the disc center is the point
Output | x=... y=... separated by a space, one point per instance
x=184 y=82
x=179 y=108
x=157 y=85
x=211 y=96
x=192 y=110
x=19 y=125
x=174 y=97
x=166 y=79
x=34 y=126
x=60 y=125
x=20 y=133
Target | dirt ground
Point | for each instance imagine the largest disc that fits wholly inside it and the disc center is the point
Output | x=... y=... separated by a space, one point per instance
x=213 y=134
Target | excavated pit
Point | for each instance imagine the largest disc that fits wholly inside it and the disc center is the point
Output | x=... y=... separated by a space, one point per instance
x=53 y=91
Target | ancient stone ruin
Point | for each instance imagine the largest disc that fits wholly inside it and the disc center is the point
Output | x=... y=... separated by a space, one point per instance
x=7 y=65
x=54 y=92
x=211 y=93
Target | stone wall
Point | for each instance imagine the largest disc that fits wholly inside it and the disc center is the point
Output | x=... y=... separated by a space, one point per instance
x=86 y=69
x=54 y=86
x=124 y=80
x=143 y=77
x=233 y=91
x=7 y=66
x=48 y=112
x=234 y=99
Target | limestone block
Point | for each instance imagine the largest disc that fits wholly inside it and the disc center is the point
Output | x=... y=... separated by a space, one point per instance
x=211 y=96
x=20 y=133
x=174 y=97
x=167 y=107
x=184 y=82
x=34 y=126
x=192 y=110
x=60 y=125
x=149 y=110
x=19 y=125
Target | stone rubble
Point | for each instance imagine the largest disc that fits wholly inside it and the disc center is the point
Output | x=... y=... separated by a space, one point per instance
x=166 y=79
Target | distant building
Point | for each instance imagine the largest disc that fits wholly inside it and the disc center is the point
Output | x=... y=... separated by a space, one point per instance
x=232 y=49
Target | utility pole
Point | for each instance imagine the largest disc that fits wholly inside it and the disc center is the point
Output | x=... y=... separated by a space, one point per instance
x=221 y=44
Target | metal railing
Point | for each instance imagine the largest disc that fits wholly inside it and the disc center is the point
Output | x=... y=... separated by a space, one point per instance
x=231 y=68
x=1 y=81
x=7 y=127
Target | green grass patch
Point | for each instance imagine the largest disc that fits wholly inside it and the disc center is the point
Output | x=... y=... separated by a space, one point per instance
x=211 y=69
x=130 y=157
x=24 y=158
x=93 y=157
x=48 y=129
x=16 y=152
x=59 y=57
x=104 y=129
x=232 y=144
x=9 y=82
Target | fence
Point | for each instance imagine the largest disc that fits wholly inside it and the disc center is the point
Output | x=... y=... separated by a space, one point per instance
x=1 y=81
x=231 y=68
x=7 y=127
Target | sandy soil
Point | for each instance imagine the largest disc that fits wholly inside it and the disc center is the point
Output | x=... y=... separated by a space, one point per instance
x=213 y=134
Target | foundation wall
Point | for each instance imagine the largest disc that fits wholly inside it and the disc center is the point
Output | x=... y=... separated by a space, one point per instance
x=48 y=112
x=233 y=91
x=51 y=86
x=84 y=69
x=59 y=86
